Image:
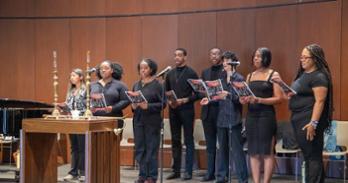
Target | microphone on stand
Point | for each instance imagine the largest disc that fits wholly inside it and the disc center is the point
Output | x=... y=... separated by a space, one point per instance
x=163 y=75
x=92 y=70
x=234 y=63
x=164 y=71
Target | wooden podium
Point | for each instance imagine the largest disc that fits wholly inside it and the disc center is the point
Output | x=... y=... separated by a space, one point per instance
x=39 y=149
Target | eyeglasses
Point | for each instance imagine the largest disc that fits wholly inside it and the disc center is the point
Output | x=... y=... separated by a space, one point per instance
x=304 y=57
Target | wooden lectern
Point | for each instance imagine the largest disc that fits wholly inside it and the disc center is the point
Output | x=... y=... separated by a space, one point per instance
x=39 y=149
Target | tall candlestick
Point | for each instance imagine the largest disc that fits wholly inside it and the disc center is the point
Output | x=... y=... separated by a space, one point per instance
x=55 y=112
x=88 y=112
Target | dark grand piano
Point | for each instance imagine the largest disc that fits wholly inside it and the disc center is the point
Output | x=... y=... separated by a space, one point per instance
x=12 y=112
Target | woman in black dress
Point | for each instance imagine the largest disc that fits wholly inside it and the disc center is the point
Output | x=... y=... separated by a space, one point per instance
x=147 y=120
x=261 y=117
x=312 y=109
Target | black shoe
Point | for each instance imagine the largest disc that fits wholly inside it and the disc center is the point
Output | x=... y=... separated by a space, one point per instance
x=220 y=181
x=150 y=180
x=187 y=176
x=208 y=178
x=140 y=180
x=174 y=175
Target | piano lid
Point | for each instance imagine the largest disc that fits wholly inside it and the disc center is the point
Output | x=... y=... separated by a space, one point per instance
x=14 y=103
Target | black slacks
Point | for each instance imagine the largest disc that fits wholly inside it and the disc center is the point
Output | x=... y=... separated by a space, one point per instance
x=312 y=150
x=77 y=154
x=178 y=118
x=210 y=134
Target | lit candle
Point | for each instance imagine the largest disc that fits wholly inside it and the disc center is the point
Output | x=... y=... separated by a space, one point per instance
x=88 y=57
x=55 y=60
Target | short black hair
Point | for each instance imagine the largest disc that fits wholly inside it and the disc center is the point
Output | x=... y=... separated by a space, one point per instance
x=117 y=68
x=151 y=63
x=229 y=55
x=183 y=50
x=266 y=56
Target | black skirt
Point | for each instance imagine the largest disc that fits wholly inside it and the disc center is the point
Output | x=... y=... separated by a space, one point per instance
x=261 y=127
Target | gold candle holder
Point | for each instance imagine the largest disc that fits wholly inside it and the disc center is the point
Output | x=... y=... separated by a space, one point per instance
x=55 y=112
x=88 y=112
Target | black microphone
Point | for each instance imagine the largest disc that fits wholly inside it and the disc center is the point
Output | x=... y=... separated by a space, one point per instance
x=92 y=70
x=164 y=71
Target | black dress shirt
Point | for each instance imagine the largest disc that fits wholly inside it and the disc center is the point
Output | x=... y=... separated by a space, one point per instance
x=177 y=80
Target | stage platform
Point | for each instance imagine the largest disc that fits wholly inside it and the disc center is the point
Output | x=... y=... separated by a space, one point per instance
x=129 y=174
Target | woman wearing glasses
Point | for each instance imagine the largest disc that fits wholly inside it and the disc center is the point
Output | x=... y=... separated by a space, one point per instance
x=312 y=109
x=109 y=91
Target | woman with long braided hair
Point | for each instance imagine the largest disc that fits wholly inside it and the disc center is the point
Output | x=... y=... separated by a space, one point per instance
x=312 y=109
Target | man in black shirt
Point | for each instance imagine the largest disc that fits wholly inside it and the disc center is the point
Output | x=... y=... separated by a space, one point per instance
x=181 y=113
x=210 y=112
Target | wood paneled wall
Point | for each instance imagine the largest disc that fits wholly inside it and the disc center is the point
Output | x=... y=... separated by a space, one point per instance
x=343 y=62
x=127 y=31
